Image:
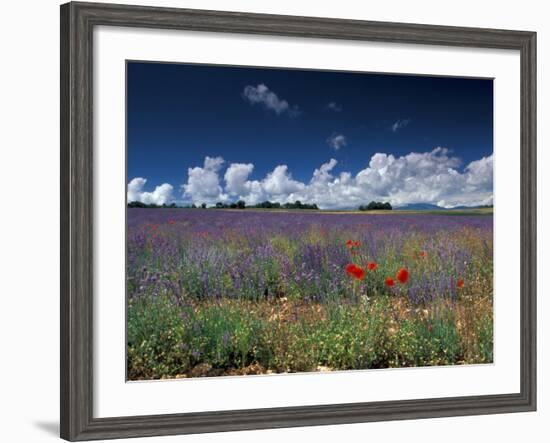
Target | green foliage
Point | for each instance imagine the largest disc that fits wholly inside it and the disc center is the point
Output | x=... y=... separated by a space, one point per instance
x=165 y=340
x=299 y=205
x=296 y=205
x=137 y=204
x=155 y=336
x=376 y=206
x=268 y=205
x=241 y=204
x=235 y=205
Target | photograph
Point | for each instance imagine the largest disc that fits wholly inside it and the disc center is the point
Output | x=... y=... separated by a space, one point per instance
x=287 y=220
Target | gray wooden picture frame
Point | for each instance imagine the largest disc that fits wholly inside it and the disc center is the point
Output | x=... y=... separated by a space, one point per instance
x=77 y=23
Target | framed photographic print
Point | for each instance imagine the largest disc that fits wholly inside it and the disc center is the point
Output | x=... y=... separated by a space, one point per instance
x=273 y=221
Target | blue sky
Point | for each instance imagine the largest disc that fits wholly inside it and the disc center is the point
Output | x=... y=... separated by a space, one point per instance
x=261 y=119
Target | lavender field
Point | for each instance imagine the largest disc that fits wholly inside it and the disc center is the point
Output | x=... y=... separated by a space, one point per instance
x=236 y=292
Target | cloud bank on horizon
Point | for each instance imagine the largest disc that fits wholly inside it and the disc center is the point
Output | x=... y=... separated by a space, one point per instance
x=418 y=177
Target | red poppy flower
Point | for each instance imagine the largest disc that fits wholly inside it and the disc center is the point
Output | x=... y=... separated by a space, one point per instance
x=372 y=265
x=460 y=283
x=402 y=275
x=357 y=243
x=422 y=254
x=389 y=281
x=355 y=271
x=349 y=244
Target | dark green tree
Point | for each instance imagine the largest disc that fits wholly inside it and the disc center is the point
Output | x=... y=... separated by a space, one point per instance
x=373 y=205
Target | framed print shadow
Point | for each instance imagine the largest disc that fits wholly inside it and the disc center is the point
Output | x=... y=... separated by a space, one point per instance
x=274 y=221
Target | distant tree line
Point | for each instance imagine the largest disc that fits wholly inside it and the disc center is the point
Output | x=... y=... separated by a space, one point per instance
x=136 y=204
x=267 y=205
x=276 y=205
x=240 y=204
x=376 y=205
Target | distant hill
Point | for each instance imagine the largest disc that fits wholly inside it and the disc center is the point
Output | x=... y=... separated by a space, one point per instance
x=419 y=207
x=473 y=207
x=431 y=207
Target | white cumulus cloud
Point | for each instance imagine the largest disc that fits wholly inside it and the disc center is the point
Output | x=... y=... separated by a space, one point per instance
x=435 y=177
x=337 y=141
x=279 y=183
x=399 y=124
x=203 y=183
x=262 y=95
x=236 y=178
x=162 y=194
x=333 y=106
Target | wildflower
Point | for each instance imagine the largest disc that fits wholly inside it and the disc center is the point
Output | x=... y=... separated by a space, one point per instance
x=422 y=254
x=355 y=271
x=171 y=222
x=372 y=266
x=389 y=282
x=402 y=275
x=460 y=283
x=350 y=244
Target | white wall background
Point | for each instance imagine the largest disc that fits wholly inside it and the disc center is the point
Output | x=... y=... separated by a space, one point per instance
x=29 y=186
